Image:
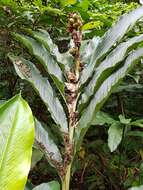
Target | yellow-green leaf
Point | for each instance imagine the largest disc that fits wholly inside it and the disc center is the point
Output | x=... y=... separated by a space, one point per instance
x=68 y=2
x=16 y=139
x=92 y=24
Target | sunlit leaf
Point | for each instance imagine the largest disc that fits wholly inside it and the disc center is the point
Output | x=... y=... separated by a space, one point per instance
x=68 y=2
x=92 y=24
x=16 y=139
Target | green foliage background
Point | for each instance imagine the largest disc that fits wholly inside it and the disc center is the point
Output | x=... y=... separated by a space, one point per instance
x=96 y=167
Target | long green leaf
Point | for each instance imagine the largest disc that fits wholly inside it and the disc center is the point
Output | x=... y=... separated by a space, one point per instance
x=16 y=139
x=129 y=88
x=26 y=70
x=135 y=134
x=65 y=59
x=53 y=185
x=138 y=123
x=107 y=66
x=111 y=37
x=103 y=93
x=40 y=52
x=45 y=142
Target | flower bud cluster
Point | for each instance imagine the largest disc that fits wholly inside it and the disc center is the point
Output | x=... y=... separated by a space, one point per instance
x=75 y=28
x=75 y=22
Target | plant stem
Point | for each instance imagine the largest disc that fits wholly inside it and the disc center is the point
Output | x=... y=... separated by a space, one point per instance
x=73 y=88
x=72 y=125
x=66 y=180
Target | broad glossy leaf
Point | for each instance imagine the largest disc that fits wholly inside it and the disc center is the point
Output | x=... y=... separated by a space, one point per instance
x=107 y=66
x=16 y=139
x=102 y=118
x=45 y=142
x=103 y=93
x=53 y=185
x=27 y=70
x=115 y=134
x=111 y=37
x=64 y=59
x=40 y=52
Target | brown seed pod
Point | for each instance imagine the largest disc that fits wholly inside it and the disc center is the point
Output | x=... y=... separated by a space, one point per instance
x=75 y=16
x=71 y=77
x=69 y=99
x=70 y=29
x=71 y=20
x=73 y=51
x=79 y=23
x=71 y=87
x=75 y=25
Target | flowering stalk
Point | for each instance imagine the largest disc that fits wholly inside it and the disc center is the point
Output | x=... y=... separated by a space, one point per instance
x=72 y=87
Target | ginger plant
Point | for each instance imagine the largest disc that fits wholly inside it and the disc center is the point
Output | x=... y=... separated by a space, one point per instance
x=84 y=78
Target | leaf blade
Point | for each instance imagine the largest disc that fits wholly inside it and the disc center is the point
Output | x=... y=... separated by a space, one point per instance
x=118 y=30
x=40 y=52
x=115 y=134
x=46 y=143
x=107 y=66
x=103 y=93
x=102 y=118
x=16 y=141
x=43 y=88
x=43 y=37
x=53 y=185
